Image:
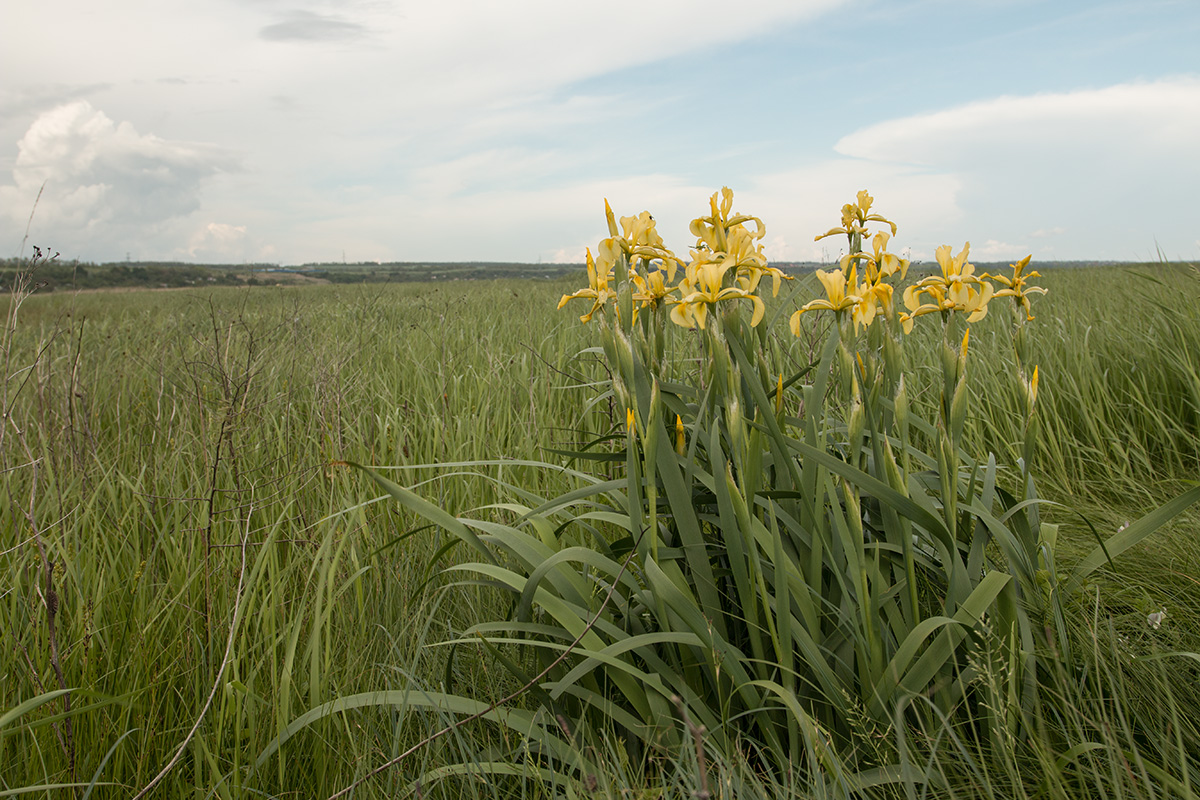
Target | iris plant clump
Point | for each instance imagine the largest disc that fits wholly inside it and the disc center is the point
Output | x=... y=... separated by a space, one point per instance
x=790 y=557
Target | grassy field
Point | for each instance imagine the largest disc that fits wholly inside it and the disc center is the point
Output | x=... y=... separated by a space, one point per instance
x=172 y=462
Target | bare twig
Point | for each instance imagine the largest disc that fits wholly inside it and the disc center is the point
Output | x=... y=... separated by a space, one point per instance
x=50 y=600
x=29 y=224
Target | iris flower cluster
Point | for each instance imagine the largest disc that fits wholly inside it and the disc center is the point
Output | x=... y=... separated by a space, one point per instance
x=844 y=291
x=727 y=263
x=955 y=287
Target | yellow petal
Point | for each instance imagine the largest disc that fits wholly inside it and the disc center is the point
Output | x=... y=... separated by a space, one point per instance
x=759 y=310
x=681 y=317
x=818 y=305
x=612 y=221
x=834 y=282
x=794 y=323
x=960 y=260
x=979 y=314
x=912 y=298
x=726 y=201
x=864 y=312
x=945 y=260
x=960 y=295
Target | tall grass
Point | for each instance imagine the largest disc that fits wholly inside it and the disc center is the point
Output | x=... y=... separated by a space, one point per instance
x=166 y=429
x=790 y=582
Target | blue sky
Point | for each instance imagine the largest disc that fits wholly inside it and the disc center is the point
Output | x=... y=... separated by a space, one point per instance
x=293 y=131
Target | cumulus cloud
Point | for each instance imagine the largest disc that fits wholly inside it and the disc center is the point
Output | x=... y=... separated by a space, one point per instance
x=103 y=179
x=575 y=255
x=16 y=101
x=218 y=239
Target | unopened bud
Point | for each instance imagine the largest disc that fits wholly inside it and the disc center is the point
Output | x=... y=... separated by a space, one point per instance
x=653 y=425
x=737 y=425
x=858 y=419
x=900 y=404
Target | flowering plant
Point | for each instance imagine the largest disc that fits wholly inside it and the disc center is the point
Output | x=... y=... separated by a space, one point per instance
x=780 y=555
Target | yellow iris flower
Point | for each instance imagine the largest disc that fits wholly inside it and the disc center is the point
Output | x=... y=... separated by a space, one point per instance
x=598 y=290
x=956 y=289
x=843 y=292
x=703 y=286
x=837 y=298
x=1016 y=288
x=651 y=289
x=640 y=230
x=712 y=232
x=637 y=237
x=748 y=260
x=728 y=263
x=879 y=263
x=855 y=217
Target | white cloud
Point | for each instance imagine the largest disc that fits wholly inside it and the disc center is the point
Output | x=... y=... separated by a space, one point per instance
x=307 y=26
x=1042 y=233
x=218 y=241
x=577 y=255
x=993 y=250
x=1079 y=125
x=474 y=129
x=103 y=180
x=331 y=103
x=799 y=204
x=557 y=222
x=1116 y=165
x=776 y=248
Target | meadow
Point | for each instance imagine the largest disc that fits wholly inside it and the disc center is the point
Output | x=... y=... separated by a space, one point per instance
x=188 y=548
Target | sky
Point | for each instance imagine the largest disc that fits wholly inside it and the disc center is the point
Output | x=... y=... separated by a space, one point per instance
x=294 y=131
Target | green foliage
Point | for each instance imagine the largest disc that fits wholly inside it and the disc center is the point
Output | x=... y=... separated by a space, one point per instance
x=792 y=584
x=121 y=399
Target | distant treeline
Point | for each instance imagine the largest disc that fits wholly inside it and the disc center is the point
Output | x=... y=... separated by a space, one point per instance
x=55 y=275
x=399 y=272
x=58 y=275
x=49 y=276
